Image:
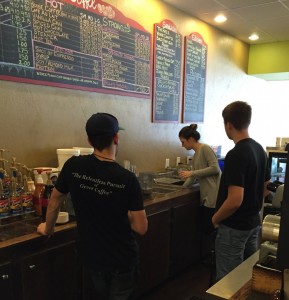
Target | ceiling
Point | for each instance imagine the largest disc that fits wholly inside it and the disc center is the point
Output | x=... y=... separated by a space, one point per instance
x=268 y=18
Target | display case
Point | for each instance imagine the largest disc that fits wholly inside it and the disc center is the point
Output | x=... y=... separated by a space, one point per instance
x=277 y=164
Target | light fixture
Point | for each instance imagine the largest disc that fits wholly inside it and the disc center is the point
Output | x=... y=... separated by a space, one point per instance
x=254 y=37
x=220 y=19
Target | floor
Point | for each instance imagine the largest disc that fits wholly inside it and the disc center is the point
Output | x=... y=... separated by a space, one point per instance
x=191 y=284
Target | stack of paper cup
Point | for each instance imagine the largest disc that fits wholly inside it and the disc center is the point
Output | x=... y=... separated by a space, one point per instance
x=64 y=154
x=84 y=151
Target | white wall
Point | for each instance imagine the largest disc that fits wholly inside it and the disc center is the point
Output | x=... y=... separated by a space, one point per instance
x=269 y=103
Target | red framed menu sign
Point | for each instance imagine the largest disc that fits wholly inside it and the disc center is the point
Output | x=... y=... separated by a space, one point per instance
x=194 y=78
x=86 y=45
x=167 y=72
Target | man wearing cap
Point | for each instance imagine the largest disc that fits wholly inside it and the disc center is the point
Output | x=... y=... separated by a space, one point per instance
x=109 y=210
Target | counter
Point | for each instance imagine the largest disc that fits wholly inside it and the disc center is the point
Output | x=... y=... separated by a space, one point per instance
x=23 y=230
x=237 y=284
x=234 y=281
x=33 y=263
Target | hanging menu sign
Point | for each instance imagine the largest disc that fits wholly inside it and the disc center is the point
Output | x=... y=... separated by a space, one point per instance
x=194 y=78
x=87 y=45
x=167 y=72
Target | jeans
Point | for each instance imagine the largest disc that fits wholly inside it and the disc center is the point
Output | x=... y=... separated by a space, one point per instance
x=232 y=247
x=115 y=285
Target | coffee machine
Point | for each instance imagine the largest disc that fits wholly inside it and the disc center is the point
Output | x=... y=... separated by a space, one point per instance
x=271 y=272
x=283 y=243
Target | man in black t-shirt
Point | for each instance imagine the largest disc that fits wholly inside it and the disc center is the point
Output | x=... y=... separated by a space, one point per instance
x=109 y=210
x=242 y=188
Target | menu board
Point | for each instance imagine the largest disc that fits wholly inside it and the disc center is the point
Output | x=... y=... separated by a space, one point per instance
x=194 y=78
x=87 y=45
x=167 y=72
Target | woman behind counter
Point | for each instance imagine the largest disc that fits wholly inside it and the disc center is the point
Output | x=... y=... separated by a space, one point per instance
x=205 y=169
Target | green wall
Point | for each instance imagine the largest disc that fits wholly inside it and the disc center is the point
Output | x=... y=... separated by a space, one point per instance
x=269 y=61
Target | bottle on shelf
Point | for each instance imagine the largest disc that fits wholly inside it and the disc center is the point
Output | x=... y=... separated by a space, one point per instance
x=46 y=195
x=6 y=177
x=14 y=174
x=39 y=189
x=4 y=202
x=15 y=199
x=6 y=187
x=30 y=181
x=27 y=198
x=19 y=175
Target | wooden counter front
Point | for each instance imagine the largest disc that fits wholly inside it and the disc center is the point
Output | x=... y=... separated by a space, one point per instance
x=33 y=263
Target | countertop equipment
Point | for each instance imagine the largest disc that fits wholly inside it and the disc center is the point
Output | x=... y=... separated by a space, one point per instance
x=270 y=234
x=146 y=182
x=267 y=276
x=271 y=222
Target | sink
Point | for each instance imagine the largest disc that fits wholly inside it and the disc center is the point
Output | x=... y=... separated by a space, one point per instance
x=160 y=191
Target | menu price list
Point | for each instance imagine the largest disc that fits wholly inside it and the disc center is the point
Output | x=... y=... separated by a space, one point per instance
x=56 y=42
x=167 y=74
x=195 y=79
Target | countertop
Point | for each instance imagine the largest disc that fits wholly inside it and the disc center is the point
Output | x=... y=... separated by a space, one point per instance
x=24 y=230
x=237 y=284
x=235 y=280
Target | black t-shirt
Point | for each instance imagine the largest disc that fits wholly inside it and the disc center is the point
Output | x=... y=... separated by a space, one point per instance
x=102 y=193
x=245 y=166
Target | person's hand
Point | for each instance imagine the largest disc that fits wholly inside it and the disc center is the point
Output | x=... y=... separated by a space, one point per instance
x=185 y=174
x=42 y=229
x=216 y=225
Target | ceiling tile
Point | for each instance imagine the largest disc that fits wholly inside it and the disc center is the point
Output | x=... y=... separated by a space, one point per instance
x=265 y=11
x=268 y=18
x=196 y=6
x=233 y=4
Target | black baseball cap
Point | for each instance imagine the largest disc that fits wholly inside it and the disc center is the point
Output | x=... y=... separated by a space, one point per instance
x=102 y=124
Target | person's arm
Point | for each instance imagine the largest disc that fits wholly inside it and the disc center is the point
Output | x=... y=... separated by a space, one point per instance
x=211 y=169
x=266 y=192
x=138 y=221
x=230 y=205
x=205 y=172
x=53 y=208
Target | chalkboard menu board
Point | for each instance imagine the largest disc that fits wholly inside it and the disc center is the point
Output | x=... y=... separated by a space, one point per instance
x=78 y=44
x=167 y=72
x=194 y=78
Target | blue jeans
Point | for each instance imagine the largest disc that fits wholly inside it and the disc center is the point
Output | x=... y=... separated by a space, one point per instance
x=115 y=285
x=232 y=247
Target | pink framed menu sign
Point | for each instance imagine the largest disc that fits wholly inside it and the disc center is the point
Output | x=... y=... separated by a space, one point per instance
x=194 y=78
x=167 y=72
x=86 y=45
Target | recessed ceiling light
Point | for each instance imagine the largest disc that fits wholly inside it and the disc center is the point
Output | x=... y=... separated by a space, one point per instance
x=220 y=19
x=254 y=37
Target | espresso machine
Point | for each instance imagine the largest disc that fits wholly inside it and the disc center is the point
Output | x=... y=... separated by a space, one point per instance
x=283 y=240
x=271 y=272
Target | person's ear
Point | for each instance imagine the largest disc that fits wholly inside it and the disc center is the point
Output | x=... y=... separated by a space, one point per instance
x=230 y=125
x=116 y=139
